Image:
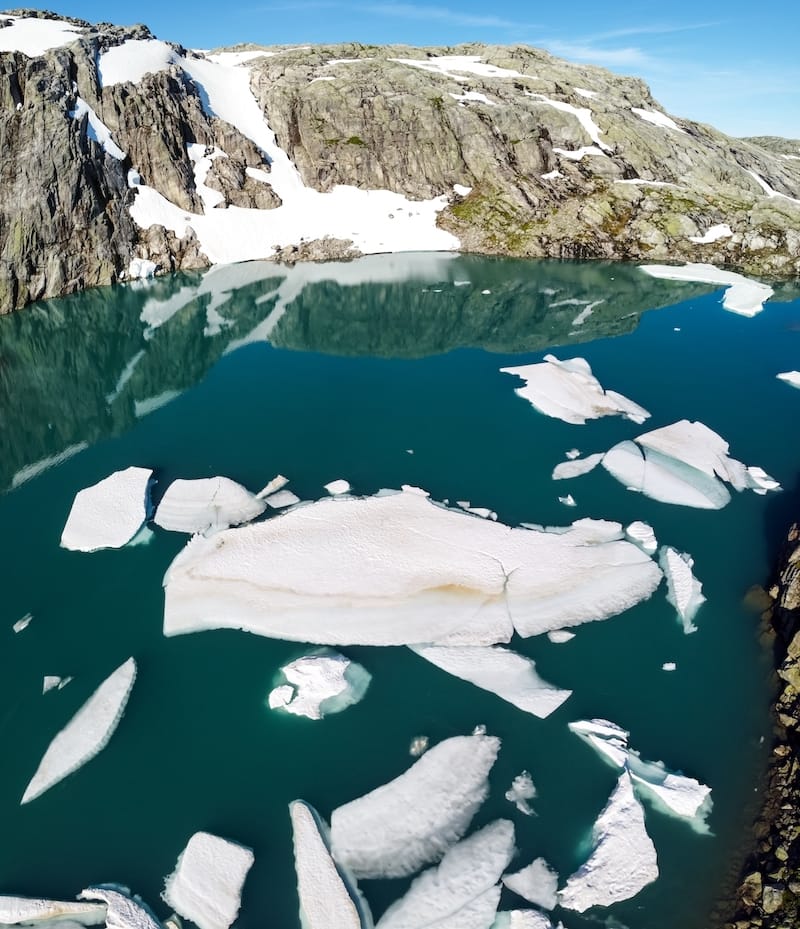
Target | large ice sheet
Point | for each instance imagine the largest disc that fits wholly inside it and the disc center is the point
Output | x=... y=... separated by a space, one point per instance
x=328 y=899
x=319 y=684
x=108 y=514
x=742 y=296
x=124 y=910
x=206 y=885
x=34 y=911
x=86 y=734
x=623 y=860
x=208 y=504
x=568 y=390
x=462 y=892
x=395 y=570
x=522 y=919
x=683 y=588
x=537 y=883
x=401 y=826
x=511 y=676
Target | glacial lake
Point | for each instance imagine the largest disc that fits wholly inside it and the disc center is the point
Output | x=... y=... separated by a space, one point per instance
x=384 y=371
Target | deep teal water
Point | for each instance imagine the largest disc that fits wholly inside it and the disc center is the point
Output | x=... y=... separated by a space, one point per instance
x=354 y=375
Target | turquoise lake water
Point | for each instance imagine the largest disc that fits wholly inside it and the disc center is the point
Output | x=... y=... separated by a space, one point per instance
x=329 y=371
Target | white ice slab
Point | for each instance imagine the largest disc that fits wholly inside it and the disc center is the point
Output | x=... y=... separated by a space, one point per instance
x=537 y=883
x=86 y=734
x=569 y=500
x=206 y=885
x=337 y=487
x=623 y=860
x=124 y=911
x=521 y=790
x=683 y=588
x=712 y=234
x=328 y=900
x=108 y=514
x=642 y=534
x=53 y=682
x=559 y=636
x=208 y=504
x=511 y=676
x=398 y=828
x=281 y=499
x=522 y=919
x=277 y=483
x=790 y=377
x=320 y=684
x=34 y=37
x=463 y=891
x=743 y=296
x=575 y=467
x=669 y=666
x=568 y=390
x=34 y=911
x=22 y=623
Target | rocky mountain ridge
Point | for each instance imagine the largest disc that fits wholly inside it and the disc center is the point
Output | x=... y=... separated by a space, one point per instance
x=123 y=156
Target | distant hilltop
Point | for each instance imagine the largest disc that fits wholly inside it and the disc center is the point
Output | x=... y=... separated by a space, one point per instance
x=124 y=156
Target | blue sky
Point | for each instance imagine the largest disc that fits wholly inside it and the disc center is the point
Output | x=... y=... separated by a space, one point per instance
x=730 y=63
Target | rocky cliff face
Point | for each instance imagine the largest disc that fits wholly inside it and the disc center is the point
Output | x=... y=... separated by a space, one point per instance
x=509 y=150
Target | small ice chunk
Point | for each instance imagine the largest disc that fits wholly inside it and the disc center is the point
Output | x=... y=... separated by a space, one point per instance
x=742 y=296
x=86 y=734
x=713 y=234
x=573 y=453
x=538 y=883
x=277 y=483
x=642 y=534
x=511 y=676
x=206 y=885
x=463 y=890
x=22 y=623
x=576 y=467
x=485 y=292
x=521 y=790
x=206 y=505
x=418 y=746
x=50 y=682
x=401 y=826
x=124 y=910
x=33 y=911
x=569 y=500
x=683 y=588
x=669 y=666
x=281 y=499
x=790 y=377
x=338 y=487
x=108 y=514
x=143 y=537
x=623 y=860
x=328 y=899
x=322 y=683
x=559 y=636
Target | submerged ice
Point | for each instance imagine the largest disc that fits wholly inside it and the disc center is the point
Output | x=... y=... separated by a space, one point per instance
x=319 y=684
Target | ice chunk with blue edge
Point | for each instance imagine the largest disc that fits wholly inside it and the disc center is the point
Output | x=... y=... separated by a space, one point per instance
x=669 y=792
x=207 y=505
x=86 y=734
x=462 y=892
x=623 y=860
x=684 y=591
x=206 y=885
x=410 y=822
x=511 y=676
x=124 y=910
x=319 y=684
x=537 y=883
x=329 y=898
x=108 y=514
x=34 y=911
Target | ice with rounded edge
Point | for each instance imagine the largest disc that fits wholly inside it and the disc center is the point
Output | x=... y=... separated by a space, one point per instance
x=410 y=822
x=569 y=391
x=108 y=514
x=684 y=591
x=790 y=377
x=521 y=790
x=537 y=883
x=642 y=534
x=207 y=505
x=337 y=487
x=86 y=734
x=34 y=911
x=743 y=296
x=511 y=676
x=623 y=860
x=395 y=569
x=575 y=467
x=560 y=636
x=206 y=885
x=329 y=898
x=321 y=683
x=281 y=499
x=463 y=890
x=125 y=911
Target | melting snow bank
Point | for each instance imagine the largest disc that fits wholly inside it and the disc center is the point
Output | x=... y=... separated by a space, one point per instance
x=624 y=857
x=124 y=910
x=670 y=792
x=537 y=884
x=398 y=828
x=32 y=911
x=500 y=671
x=108 y=514
x=206 y=505
x=683 y=588
x=395 y=569
x=568 y=390
x=206 y=885
x=743 y=295
x=86 y=734
x=464 y=890
x=320 y=684
x=329 y=899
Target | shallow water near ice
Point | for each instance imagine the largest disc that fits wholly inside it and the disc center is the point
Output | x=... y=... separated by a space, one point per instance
x=383 y=372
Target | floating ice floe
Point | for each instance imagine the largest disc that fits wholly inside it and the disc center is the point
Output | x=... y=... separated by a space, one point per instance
x=521 y=790
x=108 y=514
x=418 y=746
x=335 y=488
x=669 y=792
x=642 y=534
x=714 y=234
x=569 y=500
x=511 y=676
x=206 y=885
x=463 y=890
x=281 y=499
x=683 y=588
x=569 y=391
x=22 y=623
x=86 y=734
x=328 y=898
x=623 y=860
x=53 y=682
x=395 y=569
x=790 y=377
x=576 y=467
x=33 y=911
x=482 y=511
x=277 y=483
x=669 y=666
x=208 y=505
x=320 y=684
x=522 y=919
x=410 y=822
x=124 y=910
x=538 y=883
x=743 y=296
x=559 y=636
